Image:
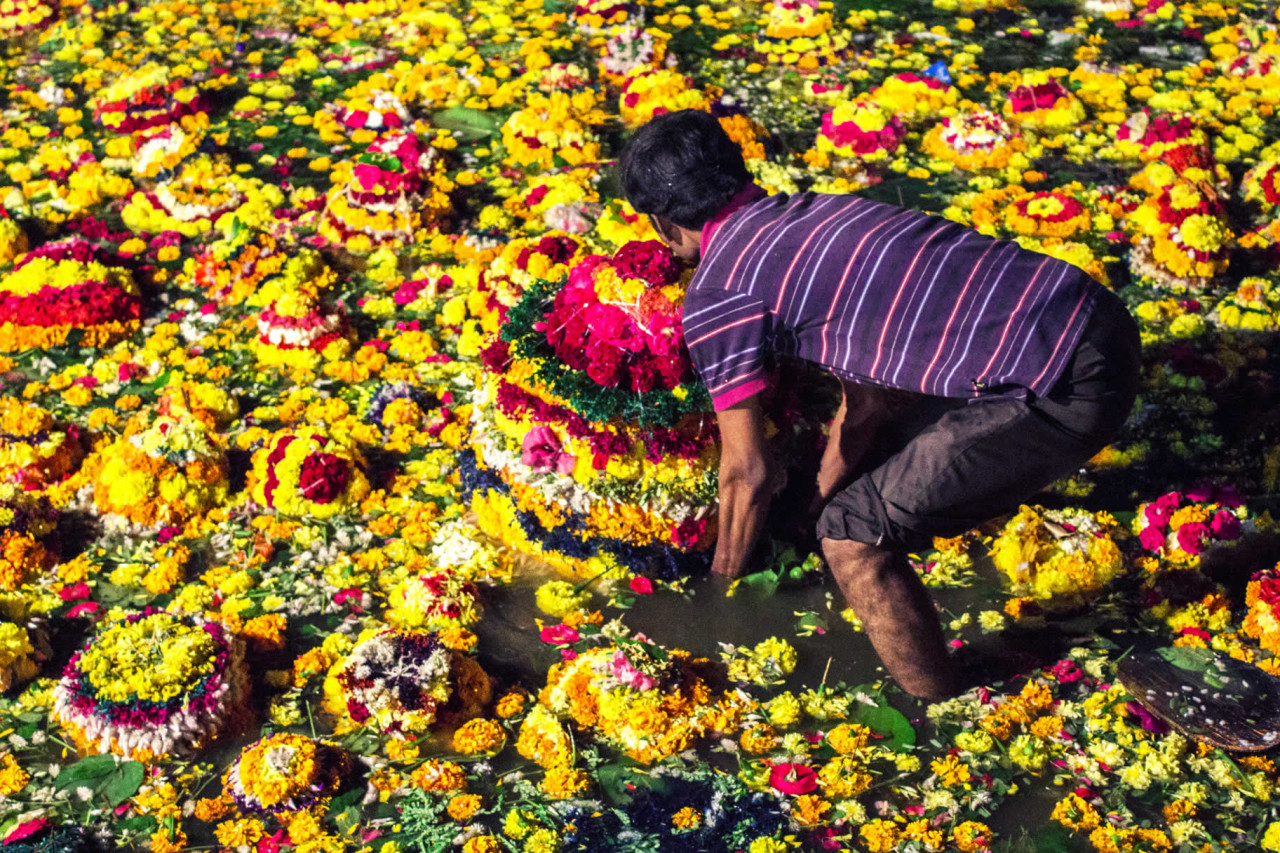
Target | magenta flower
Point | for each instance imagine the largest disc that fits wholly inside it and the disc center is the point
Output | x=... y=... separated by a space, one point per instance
x=642 y=585
x=1224 y=525
x=541 y=451
x=559 y=634
x=793 y=778
x=1193 y=537
x=1151 y=538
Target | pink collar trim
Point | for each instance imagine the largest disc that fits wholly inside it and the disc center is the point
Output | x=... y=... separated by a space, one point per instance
x=746 y=195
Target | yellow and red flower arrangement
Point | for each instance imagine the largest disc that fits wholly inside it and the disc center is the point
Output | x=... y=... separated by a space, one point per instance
x=67 y=291
x=308 y=473
x=151 y=685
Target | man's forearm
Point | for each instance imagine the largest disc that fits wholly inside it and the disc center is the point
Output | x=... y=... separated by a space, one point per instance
x=744 y=506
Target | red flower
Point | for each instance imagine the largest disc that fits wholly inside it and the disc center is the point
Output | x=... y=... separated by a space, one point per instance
x=323 y=477
x=793 y=778
x=649 y=260
x=26 y=830
x=1193 y=537
x=642 y=585
x=559 y=634
x=1151 y=538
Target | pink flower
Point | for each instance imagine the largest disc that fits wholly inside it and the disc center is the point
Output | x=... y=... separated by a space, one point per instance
x=84 y=608
x=1067 y=671
x=1224 y=525
x=26 y=829
x=628 y=674
x=793 y=779
x=540 y=450
x=642 y=585
x=1151 y=538
x=1159 y=510
x=74 y=592
x=1193 y=537
x=559 y=635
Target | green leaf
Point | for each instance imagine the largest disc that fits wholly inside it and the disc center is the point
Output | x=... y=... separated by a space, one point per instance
x=765 y=583
x=87 y=771
x=345 y=810
x=143 y=823
x=888 y=723
x=1187 y=657
x=622 y=780
x=124 y=782
x=471 y=125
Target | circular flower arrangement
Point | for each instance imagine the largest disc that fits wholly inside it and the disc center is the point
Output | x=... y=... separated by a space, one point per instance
x=915 y=97
x=1261 y=184
x=200 y=197
x=404 y=683
x=298 y=330
x=1051 y=213
x=285 y=773
x=1178 y=527
x=34 y=451
x=164 y=150
x=590 y=16
x=376 y=110
x=24 y=519
x=649 y=92
x=1041 y=102
x=974 y=140
x=1182 y=237
x=860 y=130
x=800 y=33
x=390 y=193
x=161 y=473
x=1254 y=306
x=645 y=701
x=153 y=684
x=1151 y=137
x=25 y=16
x=1062 y=557
x=147 y=97
x=307 y=473
x=1262 y=620
x=434 y=601
x=628 y=49
x=67 y=293
x=527 y=260
x=619 y=319
x=553 y=130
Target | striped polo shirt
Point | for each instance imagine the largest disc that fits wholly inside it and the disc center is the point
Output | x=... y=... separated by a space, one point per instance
x=877 y=294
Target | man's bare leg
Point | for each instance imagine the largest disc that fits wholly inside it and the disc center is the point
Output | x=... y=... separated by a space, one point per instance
x=897 y=613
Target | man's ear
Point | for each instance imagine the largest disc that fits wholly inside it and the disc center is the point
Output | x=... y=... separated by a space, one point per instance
x=684 y=242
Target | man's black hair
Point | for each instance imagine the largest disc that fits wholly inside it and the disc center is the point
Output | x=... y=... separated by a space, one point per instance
x=682 y=166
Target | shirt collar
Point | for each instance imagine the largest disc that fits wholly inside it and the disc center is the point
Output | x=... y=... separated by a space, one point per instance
x=745 y=196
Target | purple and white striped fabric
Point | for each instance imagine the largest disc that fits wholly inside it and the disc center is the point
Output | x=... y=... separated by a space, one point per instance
x=877 y=294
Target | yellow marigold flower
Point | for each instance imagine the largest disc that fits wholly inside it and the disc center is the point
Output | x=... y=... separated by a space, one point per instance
x=463 y=806
x=209 y=809
x=687 y=818
x=971 y=835
x=439 y=776
x=759 y=739
x=479 y=736
x=562 y=782
x=951 y=771
x=510 y=705
x=879 y=836
x=810 y=810
x=12 y=777
x=482 y=844
x=783 y=709
x=1074 y=812
x=235 y=833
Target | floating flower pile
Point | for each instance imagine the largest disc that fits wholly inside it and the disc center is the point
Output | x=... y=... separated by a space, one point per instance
x=328 y=338
x=152 y=684
x=404 y=683
x=646 y=701
x=67 y=292
x=558 y=472
x=285 y=773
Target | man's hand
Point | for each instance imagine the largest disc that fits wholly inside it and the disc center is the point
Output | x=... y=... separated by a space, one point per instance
x=748 y=475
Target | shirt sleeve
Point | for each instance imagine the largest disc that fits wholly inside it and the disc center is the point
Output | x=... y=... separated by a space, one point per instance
x=727 y=334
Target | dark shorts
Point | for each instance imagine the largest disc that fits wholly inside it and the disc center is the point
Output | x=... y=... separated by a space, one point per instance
x=975 y=460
